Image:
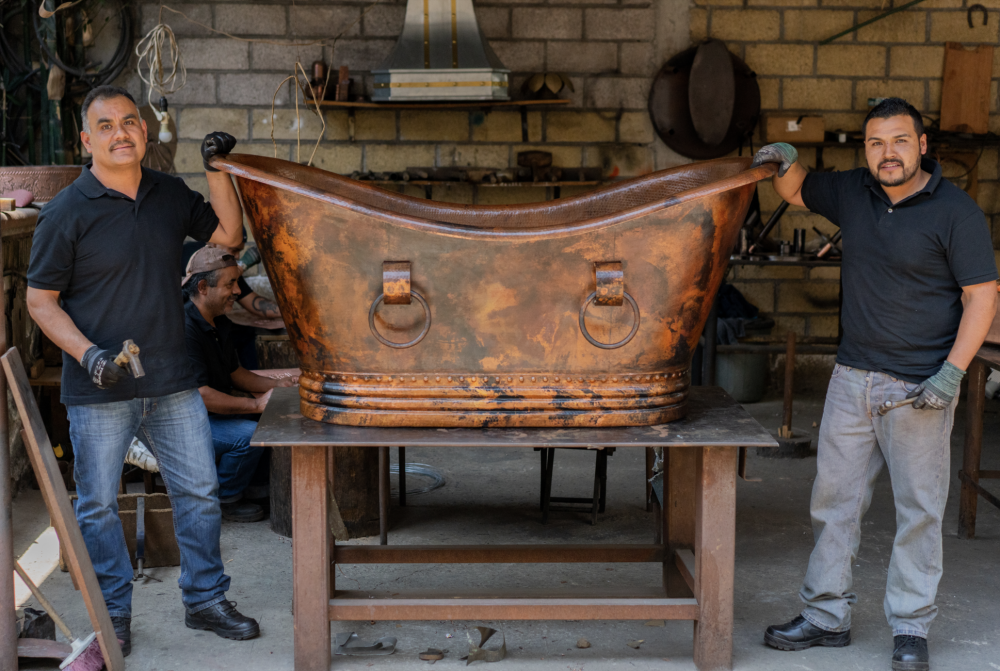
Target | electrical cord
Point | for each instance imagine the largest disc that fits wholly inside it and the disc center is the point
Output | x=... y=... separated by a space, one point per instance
x=115 y=65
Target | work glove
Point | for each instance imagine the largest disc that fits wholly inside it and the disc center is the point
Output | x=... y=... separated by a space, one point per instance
x=217 y=143
x=250 y=258
x=780 y=152
x=938 y=391
x=101 y=367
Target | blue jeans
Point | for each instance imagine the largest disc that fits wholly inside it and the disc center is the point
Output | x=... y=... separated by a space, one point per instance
x=237 y=459
x=854 y=444
x=176 y=429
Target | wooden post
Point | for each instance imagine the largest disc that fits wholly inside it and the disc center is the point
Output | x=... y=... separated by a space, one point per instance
x=974 y=403
x=311 y=558
x=8 y=619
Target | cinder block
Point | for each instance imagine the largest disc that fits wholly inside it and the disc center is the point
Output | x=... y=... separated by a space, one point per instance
x=770 y=272
x=588 y=57
x=563 y=156
x=375 y=125
x=433 y=125
x=746 y=24
x=188 y=158
x=988 y=164
x=214 y=53
x=617 y=160
x=342 y=159
x=636 y=127
x=816 y=94
x=283 y=56
x=846 y=158
x=306 y=126
x=282 y=150
x=384 y=20
x=250 y=19
x=534 y=126
x=519 y=55
x=637 y=58
x=760 y=294
x=852 y=60
x=325 y=20
x=825 y=273
x=769 y=199
x=812 y=25
x=917 y=61
x=398 y=157
x=494 y=21
x=908 y=89
x=548 y=23
x=783 y=3
x=617 y=93
x=988 y=197
x=823 y=326
x=361 y=54
x=844 y=121
x=579 y=127
x=336 y=125
x=463 y=194
x=496 y=127
x=908 y=26
x=202 y=13
x=785 y=324
x=253 y=89
x=808 y=297
x=510 y=195
x=769 y=98
x=197 y=122
x=474 y=155
x=699 y=24
x=199 y=90
x=198 y=183
x=620 y=24
x=719 y=3
x=934 y=98
x=780 y=59
x=954 y=27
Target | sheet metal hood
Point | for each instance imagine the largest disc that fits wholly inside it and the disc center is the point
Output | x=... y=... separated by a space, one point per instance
x=441 y=55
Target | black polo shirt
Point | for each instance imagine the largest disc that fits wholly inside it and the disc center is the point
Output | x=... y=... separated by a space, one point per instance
x=904 y=267
x=114 y=261
x=210 y=349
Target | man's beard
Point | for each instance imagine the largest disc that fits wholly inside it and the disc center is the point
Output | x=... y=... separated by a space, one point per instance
x=908 y=173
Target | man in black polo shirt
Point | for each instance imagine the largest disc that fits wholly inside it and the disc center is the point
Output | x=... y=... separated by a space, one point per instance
x=210 y=287
x=103 y=269
x=914 y=248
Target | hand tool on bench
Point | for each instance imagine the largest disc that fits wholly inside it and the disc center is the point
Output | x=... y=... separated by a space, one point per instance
x=889 y=405
x=130 y=356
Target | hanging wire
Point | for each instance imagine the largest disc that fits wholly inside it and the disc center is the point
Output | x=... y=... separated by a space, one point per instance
x=150 y=50
x=103 y=75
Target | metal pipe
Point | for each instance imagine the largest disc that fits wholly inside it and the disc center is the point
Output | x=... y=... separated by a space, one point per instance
x=789 y=379
x=8 y=618
x=769 y=225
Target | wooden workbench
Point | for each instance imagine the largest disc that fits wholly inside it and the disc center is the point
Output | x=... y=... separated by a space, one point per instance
x=695 y=547
x=988 y=356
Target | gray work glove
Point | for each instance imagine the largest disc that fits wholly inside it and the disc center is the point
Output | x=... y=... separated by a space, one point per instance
x=938 y=391
x=780 y=152
x=101 y=367
x=216 y=143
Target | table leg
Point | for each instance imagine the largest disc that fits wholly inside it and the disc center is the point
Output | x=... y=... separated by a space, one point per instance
x=401 y=458
x=383 y=495
x=715 y=553
x=974 y=403
x=311 y=558
x=679 y=473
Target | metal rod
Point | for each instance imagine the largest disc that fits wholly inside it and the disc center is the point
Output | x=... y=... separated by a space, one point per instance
x=769 y=225
x=8 y=618
x=871 y=21
x=789 y=379
x=40 y=598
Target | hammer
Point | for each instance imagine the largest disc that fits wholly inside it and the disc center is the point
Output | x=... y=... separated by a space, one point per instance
x=889 y=405
x=130 y=355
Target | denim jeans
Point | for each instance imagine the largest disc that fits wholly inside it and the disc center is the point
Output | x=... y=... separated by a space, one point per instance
x=175 y=428
x=237 y=459
x=854 y=443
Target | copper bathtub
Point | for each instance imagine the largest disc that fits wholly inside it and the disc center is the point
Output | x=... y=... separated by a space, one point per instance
x=580 y=311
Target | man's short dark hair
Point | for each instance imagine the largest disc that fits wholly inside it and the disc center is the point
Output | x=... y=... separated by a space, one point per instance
x=890 y=107
x=103 y=92
x=191 y=288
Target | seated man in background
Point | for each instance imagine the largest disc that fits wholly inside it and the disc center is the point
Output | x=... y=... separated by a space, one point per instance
x=210 y=289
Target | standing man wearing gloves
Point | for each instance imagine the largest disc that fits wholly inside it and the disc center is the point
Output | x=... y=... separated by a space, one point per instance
x=914 y=248
x=103 y=269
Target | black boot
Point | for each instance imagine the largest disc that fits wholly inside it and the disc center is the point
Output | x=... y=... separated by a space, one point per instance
x=123 y=632
x=242 y=511
x=224 y=620
x=800 y=634
x=910 y=654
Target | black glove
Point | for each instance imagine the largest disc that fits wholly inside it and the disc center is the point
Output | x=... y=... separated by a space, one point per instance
x=217 y=143
x=780 y=152
x=101 y=367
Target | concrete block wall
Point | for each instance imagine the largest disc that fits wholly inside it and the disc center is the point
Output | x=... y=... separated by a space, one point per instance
x=902 y=55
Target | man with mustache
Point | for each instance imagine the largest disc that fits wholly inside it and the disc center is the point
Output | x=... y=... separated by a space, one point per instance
x=103 y=269
x=915 y=247
x=210 y=287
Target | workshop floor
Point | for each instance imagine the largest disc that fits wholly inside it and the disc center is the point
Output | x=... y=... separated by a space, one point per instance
x=492 y=497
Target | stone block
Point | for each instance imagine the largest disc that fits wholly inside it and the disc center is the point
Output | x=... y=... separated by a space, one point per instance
x=375 y=124
x=846 y=158
x=282 y=150
x=385 y=20
x=548 y=23
x=988 y=197
x=783 y=3
x=433 y=125
x=719 y=3
x=282 y=57
x=199 y=90
x=760 y=294
x=908 y=89
x=746 y=24
x=780 y=59
x=988 y=164
x=851 y=60
x=286 y=125
x=496 y=126
x=325 y=20
x=563 y=156
x=808 y=297
x=361 y=54
x=813 y=25
x=251 y=19
x=510 y=195
x=342 y=159
x=954 y=27
x=618 y=160
x=188 y=158
x=769 y=88
x=917 y=61
x=398 y=157
x=197 y=122
x=638 y=58
x=816 y=94
x=520 y=56
x=474 y=155
x=201 y=13
x=214 y=53
x=825 y=273
x=494 y=21
x=463 y=194
x=579 y=127
x=823 y=326
x=699 y=24
x=785 y=324
x=636 y=127
x=198 y=183
x=586 y=57
x=934 y=98
x=253 y=89
x=770 y=272
x=337 y=125
x=908 y=26
x=617 y=93
x=620 y=24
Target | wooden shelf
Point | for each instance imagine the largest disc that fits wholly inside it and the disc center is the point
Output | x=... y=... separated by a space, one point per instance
x=443 y=105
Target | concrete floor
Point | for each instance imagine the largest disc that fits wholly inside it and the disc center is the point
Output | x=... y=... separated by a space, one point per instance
x=491 y=497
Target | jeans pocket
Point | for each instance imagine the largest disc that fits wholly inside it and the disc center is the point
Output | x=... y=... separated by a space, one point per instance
x=837 y=369
x=908 y=387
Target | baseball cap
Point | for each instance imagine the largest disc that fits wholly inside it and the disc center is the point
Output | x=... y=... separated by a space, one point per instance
x=206 y=259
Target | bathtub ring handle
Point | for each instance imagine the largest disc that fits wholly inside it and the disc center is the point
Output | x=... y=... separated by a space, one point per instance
x=399 y=345
x=614 y=345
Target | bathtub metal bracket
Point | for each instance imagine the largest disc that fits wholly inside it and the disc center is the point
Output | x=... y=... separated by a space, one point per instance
x=610 y=283
x=396 y=282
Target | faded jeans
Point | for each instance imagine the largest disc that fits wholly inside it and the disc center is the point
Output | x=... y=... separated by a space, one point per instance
x=175 y=428
x=854 y=444
x=238 y=460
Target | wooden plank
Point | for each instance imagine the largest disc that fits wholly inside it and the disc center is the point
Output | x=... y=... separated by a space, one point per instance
x=497 y=554
x=684 y=559
x=311 y=558
x=53 y=488
x=975 y=403
x=442 y=105
x=965 y=93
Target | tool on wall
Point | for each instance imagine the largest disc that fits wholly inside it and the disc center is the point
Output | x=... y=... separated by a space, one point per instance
x=977 y=8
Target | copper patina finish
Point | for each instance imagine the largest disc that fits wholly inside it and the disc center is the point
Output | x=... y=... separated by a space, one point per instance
x=517 y=319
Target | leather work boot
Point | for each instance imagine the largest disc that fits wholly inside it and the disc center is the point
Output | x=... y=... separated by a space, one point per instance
x=242 y=511
x=800 y=634
x=123 y=632
x=910 y=654
x=224 y=620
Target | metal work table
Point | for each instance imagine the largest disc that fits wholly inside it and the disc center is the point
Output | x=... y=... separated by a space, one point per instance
x=693 y=540
x=970 y=475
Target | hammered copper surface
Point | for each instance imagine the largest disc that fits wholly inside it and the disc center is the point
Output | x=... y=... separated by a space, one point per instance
x=43 y=181
x=505 y=286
